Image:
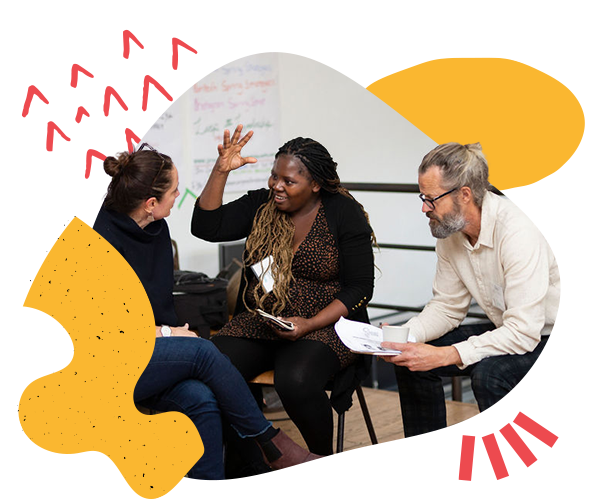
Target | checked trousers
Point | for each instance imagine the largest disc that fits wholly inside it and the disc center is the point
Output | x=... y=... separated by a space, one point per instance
x=497 y=383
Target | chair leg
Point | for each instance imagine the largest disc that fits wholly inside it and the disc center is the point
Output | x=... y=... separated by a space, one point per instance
x=340 y=433
x=365 y=411
x=457 y=388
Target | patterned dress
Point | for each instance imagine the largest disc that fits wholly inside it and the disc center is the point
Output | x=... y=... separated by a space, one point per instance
x=315 y=268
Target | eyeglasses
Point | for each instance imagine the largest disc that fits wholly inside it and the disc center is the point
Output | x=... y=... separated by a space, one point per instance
x=146 y=145
x=430 y=202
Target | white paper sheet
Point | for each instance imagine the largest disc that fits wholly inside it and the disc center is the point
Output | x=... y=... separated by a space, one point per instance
x=262 y=270
x=362 y=338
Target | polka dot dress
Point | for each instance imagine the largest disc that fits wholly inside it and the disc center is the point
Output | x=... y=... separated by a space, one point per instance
x=315 y=268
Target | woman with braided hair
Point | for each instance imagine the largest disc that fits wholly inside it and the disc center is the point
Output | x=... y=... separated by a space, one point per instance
x=320 y=243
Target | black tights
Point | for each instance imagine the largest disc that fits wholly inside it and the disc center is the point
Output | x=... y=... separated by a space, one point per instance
x=302 y=369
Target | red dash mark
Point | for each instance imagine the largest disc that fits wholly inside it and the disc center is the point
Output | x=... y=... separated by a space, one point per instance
x=147 y=80
x=128 y=35
x=491 y=446
x=88 y=160
x=107 y=93
x=81 y=69
x=536 y=430
x=176 y=43
x=53 y=52
x=80 y=112
x=518 y=445
x=130 y=136
x=466 y=458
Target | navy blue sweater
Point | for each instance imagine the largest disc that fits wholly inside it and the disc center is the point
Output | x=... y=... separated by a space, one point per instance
x=149 y=252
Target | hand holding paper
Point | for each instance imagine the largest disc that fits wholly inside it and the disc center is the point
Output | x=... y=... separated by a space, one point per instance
x=281 y=323
x=362 y=338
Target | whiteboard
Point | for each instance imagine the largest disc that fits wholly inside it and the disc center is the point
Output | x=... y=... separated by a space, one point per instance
x=247 y=92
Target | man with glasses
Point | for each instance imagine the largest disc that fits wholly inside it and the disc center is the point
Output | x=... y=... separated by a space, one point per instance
x=489 y=251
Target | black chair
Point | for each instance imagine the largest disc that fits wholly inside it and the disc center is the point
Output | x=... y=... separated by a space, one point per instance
x=553 y=399
x=266 y=378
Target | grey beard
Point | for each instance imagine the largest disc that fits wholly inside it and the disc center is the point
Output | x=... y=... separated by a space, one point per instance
x=450 y=224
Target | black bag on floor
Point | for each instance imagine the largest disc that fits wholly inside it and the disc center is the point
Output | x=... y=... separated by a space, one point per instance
x=200 y=301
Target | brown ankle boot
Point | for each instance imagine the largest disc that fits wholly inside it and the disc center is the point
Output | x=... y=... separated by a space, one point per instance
x=281 y=452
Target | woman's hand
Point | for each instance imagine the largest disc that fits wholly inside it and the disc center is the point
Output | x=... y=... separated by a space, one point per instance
x=182 y=331
x=302 y=327
x=229 y=152
x=229 y=159
x=178 y=331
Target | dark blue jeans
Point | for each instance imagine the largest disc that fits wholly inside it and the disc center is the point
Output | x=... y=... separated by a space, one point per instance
x=190 y=375
x=422 y=394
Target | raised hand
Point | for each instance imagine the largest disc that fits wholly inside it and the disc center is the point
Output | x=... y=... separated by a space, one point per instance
x=230 y=157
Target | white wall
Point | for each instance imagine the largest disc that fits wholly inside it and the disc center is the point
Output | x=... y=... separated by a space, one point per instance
x=370 y=142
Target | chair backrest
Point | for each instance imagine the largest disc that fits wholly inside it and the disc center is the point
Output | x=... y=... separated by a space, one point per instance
x=175 y=255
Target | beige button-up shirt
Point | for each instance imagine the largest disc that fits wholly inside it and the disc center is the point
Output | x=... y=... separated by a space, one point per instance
x=512 y=274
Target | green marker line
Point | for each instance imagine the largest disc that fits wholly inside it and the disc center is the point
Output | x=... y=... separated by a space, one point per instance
x=187 y=191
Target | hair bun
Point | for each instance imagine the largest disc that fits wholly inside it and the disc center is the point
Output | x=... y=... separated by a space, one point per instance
x=113 y=166
x=476 y=146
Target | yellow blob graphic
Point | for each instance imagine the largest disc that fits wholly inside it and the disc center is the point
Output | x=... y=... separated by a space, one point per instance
x=87 y=286
x=528 y=123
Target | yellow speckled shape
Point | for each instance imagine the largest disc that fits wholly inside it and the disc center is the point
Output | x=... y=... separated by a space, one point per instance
x=528 y=123
x=87 y=286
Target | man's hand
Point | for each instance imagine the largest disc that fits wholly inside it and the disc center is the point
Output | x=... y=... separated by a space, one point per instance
x=419 y=357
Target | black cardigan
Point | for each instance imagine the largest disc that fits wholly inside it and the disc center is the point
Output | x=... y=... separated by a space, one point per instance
x=352 y=234
x=149 y=252
x=346 y=222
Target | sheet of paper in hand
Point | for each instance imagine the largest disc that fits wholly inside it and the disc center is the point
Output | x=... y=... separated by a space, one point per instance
x=262 y=270
x=286 y=325
x=362 y=338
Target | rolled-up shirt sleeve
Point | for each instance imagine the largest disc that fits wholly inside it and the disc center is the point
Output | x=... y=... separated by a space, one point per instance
x=524 y=257
x=448 y=307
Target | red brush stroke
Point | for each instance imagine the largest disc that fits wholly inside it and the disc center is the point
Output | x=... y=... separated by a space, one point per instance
x=130 y=137
x=491 y=446
x=147 y=81
x=466 y=458
x=80 y=112
x=518 y=445
x=536 y=430
x=53 y=52
x=176 y=43
x=88 y=160
x=75 y=70
x=128 y=35
x=81 y=69
x=107 y=93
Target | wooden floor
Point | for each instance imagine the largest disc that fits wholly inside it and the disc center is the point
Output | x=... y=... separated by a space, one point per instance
x=360 y=463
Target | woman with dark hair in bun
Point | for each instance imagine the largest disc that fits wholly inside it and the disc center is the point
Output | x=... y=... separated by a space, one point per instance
x=186 y=373
x=319 y=241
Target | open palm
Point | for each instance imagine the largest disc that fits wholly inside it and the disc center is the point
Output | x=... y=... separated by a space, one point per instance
x=230 y=157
